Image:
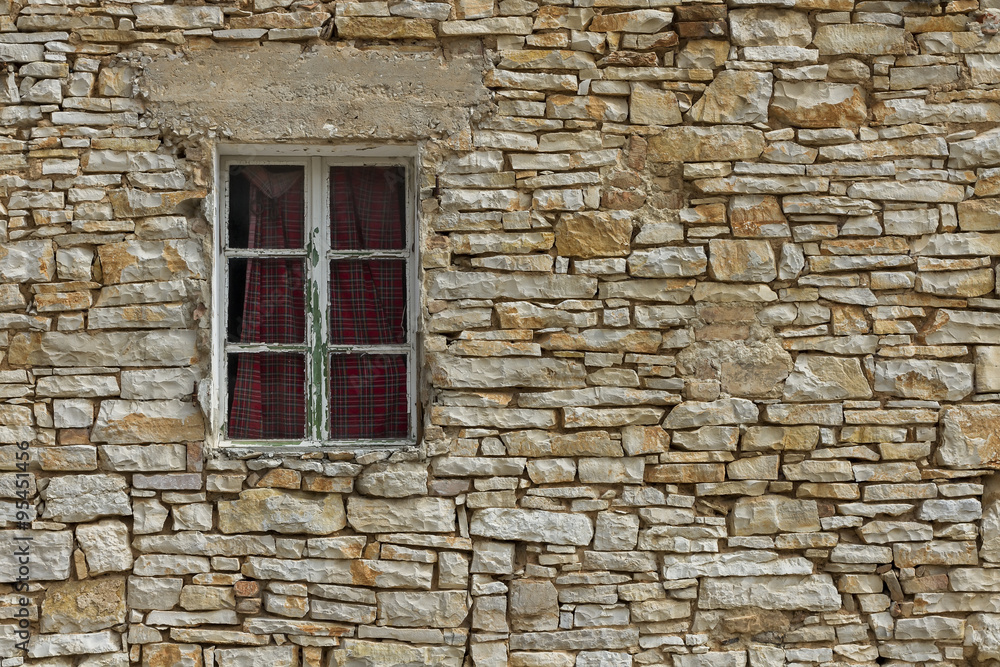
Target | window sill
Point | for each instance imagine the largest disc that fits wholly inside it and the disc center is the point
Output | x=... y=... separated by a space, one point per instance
x=239 y=449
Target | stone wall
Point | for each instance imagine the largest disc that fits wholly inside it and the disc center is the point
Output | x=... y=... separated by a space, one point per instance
x=709 y=313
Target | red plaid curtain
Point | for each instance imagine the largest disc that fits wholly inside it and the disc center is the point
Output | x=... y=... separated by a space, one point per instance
x=269 y=393
x=368 y=303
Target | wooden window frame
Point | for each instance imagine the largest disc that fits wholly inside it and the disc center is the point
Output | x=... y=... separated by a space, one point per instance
x=317 y=254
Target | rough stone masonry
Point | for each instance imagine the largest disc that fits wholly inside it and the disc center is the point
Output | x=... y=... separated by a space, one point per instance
x=709 y=315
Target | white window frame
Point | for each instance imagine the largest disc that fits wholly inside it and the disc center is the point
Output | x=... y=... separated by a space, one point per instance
x=316 y=162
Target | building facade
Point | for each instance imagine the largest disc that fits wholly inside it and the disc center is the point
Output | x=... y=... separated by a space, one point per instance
x=583 y=333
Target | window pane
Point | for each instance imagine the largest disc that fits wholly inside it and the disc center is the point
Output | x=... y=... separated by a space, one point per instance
x=267 y=396
x=368 y=396
x=367 y=208
x=266 y=206
x=266 y=301
x=368 y=301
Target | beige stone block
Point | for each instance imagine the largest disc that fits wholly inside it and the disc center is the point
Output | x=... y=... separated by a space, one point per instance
x=593 y=234
x=653 y=106
x=274 y=510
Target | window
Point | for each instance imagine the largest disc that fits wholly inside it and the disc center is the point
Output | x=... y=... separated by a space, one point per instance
x=314 y=302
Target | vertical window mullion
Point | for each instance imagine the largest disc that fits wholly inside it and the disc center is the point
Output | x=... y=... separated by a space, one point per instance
x=412 y=300
x=220 y=306
x=319 y=234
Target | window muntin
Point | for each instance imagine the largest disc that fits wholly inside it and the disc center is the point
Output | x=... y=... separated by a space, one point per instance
x=317 y=351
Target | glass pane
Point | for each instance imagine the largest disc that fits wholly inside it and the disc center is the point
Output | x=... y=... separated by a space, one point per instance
x=267 y=397
x=368 y=396
x=367 y=208
x=267 y=301
x=368 y=301
x=266 y=206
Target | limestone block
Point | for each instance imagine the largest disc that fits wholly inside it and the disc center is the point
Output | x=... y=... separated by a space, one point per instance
x=616 y=532
x=760 y=467
x=56 y=545
x=860 y=553
x=438 y=609
x=644 y=21
x=143 y=458
x=741 y=261
x=983 y=68
x=74 y=263
x=136 y=261
x=603 y=659
x=155 y=348
x=983 y=633
x=690 y=414
x=819 y=104
x=987 y=372
x=712 y=659
x=590 y=638
x=924 y=379
x=485 y=285
x=83 y=606
x=653 y=106
x=157 y=16
x=979 y=215
x=638 y=440
x=593 y=234
x=889 y=532
x=813 y=592
x=196 y=516
x=667 y=262
x=707 y=438
x=393 y=480
x=951 y=510
x=957 y=283
x=90 y=386
x=551 y=471
x=207 y=598
x=72 y=413
x=626 y=470
x=148 y=516
x=425 y=515
x=28 y=261
x=46 y=646
x=706 y=144
x=181 y=655
x=532 y=526
x=531 y=59
x=453 y=570
x=703 y=54
x=275 y=510
x=147 y=593
x=936 y=552
x=757 y=216
x=454 y=372
x=358 y=653
x=982 y=150
x=258 y=656
x=586 y=107
x=970 y=436
x=125 y=422
x=773 y=514
x=489 y=557
x=766 y=26
x=860 y=39
x=818 y=377
x=106 y=546
x=105 y=660
x=780 y=438
x=734 y=97
x=75 y=498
